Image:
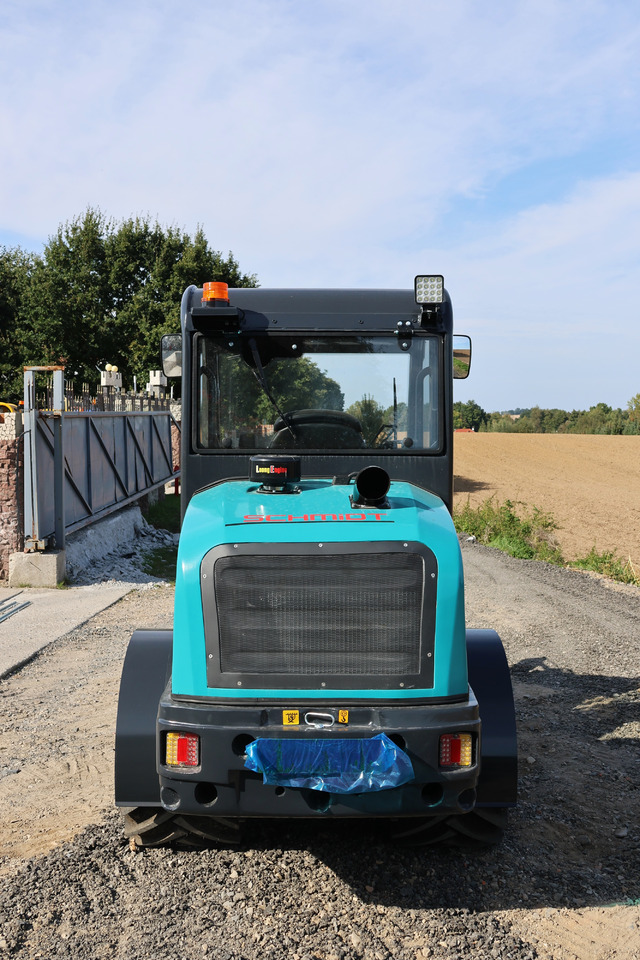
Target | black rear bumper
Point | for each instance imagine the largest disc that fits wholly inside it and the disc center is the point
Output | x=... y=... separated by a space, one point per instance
x=221 y=786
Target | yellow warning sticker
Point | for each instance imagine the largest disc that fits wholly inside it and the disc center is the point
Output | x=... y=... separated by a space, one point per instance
x=343 y=716
x=290 y=717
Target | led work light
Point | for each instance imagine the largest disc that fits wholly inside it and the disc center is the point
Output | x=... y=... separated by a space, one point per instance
x=429 y=289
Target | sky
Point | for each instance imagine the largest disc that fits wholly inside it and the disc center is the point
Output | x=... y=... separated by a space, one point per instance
x=357 y=143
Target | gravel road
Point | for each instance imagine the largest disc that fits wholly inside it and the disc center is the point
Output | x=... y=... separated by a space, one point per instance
x=564 y=884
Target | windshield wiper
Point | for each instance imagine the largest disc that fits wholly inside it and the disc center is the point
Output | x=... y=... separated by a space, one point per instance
x=259 y=374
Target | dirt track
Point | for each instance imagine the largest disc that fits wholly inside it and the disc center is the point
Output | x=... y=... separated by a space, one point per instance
x=563 y=885
x=590 y=484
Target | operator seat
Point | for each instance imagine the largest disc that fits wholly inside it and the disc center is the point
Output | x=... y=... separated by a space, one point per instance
x=318 y=430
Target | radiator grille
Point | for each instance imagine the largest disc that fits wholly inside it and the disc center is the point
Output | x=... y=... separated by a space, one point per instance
x=339 y=614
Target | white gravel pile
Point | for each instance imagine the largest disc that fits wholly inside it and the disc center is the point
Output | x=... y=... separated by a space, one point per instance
x=112 y=551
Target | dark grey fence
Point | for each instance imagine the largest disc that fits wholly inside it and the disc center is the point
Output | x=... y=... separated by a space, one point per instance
x=82 y=464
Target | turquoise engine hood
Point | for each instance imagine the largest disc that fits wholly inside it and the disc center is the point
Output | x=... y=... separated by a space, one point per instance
x=239 y=512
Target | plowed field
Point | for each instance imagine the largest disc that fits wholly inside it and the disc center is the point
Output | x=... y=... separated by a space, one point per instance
x=589 y=484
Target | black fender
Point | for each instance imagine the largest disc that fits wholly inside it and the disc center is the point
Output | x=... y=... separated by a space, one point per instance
x=490 y=680
x=145 y=674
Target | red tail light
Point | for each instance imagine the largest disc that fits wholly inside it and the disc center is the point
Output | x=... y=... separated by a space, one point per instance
x=456 y=750
x=182 y=750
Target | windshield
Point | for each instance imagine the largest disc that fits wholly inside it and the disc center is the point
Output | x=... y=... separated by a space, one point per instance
x=318 y=393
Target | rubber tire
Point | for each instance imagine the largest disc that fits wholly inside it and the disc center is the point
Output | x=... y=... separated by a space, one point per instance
x=481 y=828
x=155 y=827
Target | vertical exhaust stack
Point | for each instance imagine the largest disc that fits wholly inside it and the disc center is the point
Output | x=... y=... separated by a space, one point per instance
x=372 y=486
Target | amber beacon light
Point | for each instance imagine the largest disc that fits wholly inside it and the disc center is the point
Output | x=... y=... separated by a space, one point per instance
x=215 y=290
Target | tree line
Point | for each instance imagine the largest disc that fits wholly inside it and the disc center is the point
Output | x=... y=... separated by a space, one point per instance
x=601 y=419
x=100 y=292
x=105 y=291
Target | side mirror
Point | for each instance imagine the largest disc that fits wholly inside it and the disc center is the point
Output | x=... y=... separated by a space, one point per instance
x=461 y=357
x=171 y=353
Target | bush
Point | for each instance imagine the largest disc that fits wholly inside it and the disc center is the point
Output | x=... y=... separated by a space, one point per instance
x=610 y=565
x=527 y=534
x=512 y=528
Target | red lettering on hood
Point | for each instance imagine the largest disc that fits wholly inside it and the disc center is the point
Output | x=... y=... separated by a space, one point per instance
x=313 y=518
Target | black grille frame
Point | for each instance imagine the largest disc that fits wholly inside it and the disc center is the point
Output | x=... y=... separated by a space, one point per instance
x=411 y=666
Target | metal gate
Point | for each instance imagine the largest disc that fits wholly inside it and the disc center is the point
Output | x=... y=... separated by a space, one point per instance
x=81 y=466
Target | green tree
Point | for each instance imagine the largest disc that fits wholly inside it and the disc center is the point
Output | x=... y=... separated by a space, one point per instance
x=633 y=407
x=552 y=420
x=401 y=413
x=150 y=267
x=106 y=292
x=373 y=418
x=295 y=384
x=67 y=310
x=15 y=276
x=469 y=415
x=616 y=423
x=300 y=385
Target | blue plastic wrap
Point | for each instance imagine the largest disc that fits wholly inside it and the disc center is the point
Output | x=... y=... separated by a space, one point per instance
x=335 y=766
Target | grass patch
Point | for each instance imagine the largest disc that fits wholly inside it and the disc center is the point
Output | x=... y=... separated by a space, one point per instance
x=162 y=563
x=165 y=514
x=524 y=533
x=610 y=565
x=528 y=535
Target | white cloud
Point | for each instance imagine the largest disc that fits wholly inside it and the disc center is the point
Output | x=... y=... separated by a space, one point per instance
x=358 y=116
x=553 y=299
x=581 y=254
x=329 y=142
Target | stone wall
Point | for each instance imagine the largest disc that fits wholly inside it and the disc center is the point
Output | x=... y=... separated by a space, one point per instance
x=11 y=495
x=176 y=411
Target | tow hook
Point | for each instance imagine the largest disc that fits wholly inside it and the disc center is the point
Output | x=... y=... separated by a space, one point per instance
x=319 y=719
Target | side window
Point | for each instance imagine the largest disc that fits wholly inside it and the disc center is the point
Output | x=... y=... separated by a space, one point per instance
x=430 y=397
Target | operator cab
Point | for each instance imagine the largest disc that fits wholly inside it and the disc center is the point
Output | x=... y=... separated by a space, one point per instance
x=344 y=378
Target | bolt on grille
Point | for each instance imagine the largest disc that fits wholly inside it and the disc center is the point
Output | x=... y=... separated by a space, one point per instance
x=337 y=614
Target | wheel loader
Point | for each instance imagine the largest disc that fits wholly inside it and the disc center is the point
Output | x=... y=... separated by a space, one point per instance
x=319 y=664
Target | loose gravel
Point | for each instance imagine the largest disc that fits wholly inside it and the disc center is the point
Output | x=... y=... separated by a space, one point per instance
x=564 y=883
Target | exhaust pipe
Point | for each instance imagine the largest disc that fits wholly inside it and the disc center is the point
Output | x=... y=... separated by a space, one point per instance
x=372 y=485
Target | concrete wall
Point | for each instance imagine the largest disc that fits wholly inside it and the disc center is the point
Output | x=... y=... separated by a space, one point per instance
x=11 y=495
